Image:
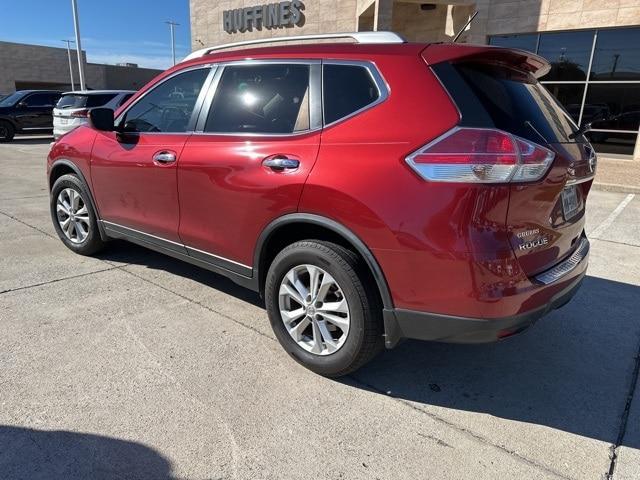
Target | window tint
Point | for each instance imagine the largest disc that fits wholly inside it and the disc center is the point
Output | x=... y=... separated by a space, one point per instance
x=568 y=53
x=346 y=89
x=617 y=56
x=261 y=99
x=168 y=107
x=523 y=42
x=512 y=102
x=40 y=100
x=620 y=101
x=11 y=100
x=84 y=101
x=99 y=100
x=124 y=99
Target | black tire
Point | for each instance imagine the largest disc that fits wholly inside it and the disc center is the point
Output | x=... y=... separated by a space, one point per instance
x=6 y=131
x=92 y=243
x=364 y=339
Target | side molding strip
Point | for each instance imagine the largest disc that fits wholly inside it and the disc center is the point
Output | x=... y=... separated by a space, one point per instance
x=206 y=260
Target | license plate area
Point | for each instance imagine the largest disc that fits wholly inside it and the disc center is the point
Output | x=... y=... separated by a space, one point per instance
x=570 y=202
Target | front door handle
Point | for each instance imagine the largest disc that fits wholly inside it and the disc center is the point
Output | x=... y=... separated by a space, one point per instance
x=164 y=157
x=281 y=163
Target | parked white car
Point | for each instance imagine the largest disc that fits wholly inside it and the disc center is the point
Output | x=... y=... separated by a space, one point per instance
x=72 y=110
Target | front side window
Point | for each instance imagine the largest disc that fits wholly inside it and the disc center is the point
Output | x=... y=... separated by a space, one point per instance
x=169 y=106
x=345 y=90
x=40 y=100
x=269 y=98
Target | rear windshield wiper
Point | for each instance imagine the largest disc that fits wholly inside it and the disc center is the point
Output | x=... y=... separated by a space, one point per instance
x=588 y=126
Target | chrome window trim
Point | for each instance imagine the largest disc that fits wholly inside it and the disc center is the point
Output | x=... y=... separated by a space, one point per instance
x=196 y=107
x=315 y=96
x=384 y=91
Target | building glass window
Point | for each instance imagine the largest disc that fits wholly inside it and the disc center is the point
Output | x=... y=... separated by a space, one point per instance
x=523 y=42
x=568 y=53
x=617 y=55
x=595 y=75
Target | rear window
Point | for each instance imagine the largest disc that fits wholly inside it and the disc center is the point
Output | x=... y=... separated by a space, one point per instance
x=84 y=101
x=496 y=97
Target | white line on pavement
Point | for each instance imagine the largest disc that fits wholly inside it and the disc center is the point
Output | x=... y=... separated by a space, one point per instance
x=600 y=229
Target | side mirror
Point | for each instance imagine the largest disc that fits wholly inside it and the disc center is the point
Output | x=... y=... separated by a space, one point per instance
x=22 y=104
x=101 y=119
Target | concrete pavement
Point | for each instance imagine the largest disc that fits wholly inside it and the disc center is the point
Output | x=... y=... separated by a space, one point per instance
x=137 y=366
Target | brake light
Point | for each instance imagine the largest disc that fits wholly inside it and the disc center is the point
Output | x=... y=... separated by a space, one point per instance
x=80 y=114
x=479 y=155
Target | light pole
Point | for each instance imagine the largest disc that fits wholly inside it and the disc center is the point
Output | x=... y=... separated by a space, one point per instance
x=73 y=87
x=172 y=25
x=74 y=6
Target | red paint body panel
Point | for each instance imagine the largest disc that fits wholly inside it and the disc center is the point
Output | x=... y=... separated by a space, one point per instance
x=227 y=196
x=131 y=188
x=443 y=247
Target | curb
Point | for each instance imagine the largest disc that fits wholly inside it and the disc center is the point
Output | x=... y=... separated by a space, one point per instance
x=615 y=187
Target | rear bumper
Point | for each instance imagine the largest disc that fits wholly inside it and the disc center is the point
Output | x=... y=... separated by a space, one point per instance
x=563 y=280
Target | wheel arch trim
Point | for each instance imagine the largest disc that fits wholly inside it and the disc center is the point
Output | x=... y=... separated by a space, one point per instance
x=68 y=163
x=335 y=227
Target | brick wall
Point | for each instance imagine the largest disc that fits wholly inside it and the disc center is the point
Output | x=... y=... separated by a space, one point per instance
x=439 y=24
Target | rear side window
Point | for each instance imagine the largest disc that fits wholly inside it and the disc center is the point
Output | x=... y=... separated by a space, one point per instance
x=99 y=100
x=489 y=96
x=346 y=89
x=84 y=101
x=261 y=99
x=41 y=99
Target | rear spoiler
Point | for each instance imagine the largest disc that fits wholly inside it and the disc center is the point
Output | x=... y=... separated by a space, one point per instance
x=513 y=58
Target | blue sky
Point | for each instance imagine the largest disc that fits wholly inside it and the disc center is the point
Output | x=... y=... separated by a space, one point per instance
x=112 y=31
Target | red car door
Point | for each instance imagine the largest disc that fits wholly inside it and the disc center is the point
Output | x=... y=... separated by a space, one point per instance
x=133 y=171
x=246 y=165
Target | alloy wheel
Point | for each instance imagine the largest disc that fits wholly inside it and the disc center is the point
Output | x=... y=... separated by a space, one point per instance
x=73 y=215
x=314 y=309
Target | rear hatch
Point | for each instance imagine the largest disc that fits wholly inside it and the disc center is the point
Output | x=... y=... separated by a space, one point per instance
x=77 y=105
x=498 y=89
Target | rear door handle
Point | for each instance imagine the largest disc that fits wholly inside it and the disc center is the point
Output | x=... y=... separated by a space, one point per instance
x=281 y=163
x=164 y=157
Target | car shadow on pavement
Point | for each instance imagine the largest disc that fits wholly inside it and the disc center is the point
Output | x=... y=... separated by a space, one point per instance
x=62 y=455
x=571 y=371
x=122 y=251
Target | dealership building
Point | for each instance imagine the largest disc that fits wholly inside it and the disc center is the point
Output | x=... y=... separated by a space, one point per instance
x=593 y=45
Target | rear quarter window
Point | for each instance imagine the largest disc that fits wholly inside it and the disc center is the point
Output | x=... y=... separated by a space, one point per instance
x=346 y=90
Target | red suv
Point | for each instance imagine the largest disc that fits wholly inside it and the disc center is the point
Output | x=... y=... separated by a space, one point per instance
x=371 y=191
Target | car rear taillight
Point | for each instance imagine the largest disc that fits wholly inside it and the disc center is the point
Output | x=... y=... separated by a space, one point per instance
x=479 y=155
x=80 y=114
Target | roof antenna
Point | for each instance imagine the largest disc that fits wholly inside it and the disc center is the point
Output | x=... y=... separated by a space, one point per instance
x=455 y=39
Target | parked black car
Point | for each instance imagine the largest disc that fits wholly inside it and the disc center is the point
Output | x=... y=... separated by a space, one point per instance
x=27 y=111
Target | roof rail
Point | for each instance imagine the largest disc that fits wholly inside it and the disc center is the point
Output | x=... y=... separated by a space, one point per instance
x=359 y=37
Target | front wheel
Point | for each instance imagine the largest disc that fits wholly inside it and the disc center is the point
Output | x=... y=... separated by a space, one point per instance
x=321 y=308
x=6 y=131
x=74 y=217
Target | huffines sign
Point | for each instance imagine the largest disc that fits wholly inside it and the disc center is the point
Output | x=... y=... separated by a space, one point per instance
x=273 y=15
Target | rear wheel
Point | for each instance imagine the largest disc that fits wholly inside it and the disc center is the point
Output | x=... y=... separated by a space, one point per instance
x=321 y=308
x=74 y=217
x=6 y=131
